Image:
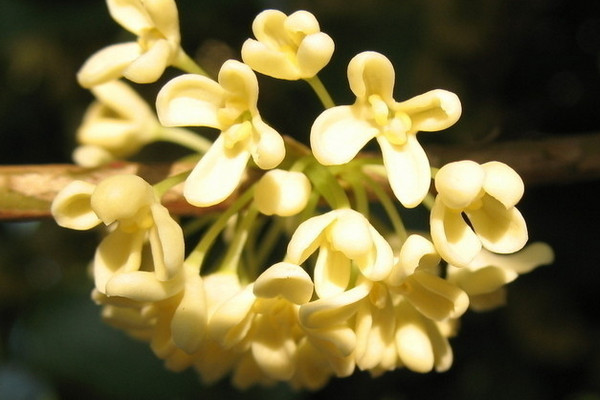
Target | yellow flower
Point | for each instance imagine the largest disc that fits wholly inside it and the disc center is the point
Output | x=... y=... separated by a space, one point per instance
x=128 y=205
x=339 y=133
x=287 y=47
x=343 y=237
x=115 y=126
x=416 y=277
x=483 y=279
x=486 y=194
x=230 y=106
x=262 y=318
x=156 y=24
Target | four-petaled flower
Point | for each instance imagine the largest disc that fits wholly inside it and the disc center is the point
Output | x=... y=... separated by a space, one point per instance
x=130 y=207
x=156 y=24
x=287 y=47
x=486 y=194
x=117 y=125
x=340 y=132
x=484 y=278
x=230 y=106
x=345 y=239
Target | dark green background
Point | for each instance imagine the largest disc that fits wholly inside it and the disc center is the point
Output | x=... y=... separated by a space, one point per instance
x=523 y=70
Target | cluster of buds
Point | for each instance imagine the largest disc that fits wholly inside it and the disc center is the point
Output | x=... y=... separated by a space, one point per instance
x=300 y=278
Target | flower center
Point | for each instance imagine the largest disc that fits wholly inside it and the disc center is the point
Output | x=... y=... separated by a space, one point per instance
x=393 y=125
x=237 y=133
x=148 y=37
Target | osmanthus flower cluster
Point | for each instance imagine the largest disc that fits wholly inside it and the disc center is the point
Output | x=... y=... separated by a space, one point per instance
x=305 y=271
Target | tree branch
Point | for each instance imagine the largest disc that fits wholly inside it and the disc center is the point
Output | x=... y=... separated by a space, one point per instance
x=26 y=191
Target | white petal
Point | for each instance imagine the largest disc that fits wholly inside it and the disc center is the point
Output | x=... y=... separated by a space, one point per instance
x=415 y=252
x=454 y=240
x=408 y=170
x=314 y=53
x=332 y=272
x=268 y=61
x=371 y=73
x=71 y=208
x=459 y=183
x=240 y=83
x=338 y=134
x=307 y=237
x=435 y=297
x=142 y=286
x=119 y=251
x=336 y=342
x=524 y=261
x=269 y=151
x=118 y=136
x=378 y=264
x=216 y=175
x=130 y=14
x=286 y=280
x=299 y=24
x=166 y=242
x=432 y=111
x=501 y=230
x=229 y=324
x=441 y=347
x=272 y=350
x=107 y=64
x=190 y=100
x=90 y=156
x=503 y=183
x=351 y=234
x=149 y=66
x=122 y=99
x=482 y=280
x=335 y=310
x=268 y=27
x=164 y=17
x=188 y=326
x=412 y=340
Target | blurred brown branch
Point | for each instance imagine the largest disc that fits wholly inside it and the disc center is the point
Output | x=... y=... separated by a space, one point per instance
x=26 y=191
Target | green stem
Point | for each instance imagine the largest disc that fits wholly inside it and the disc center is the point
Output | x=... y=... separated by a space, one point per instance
x=327 y=185
x=186 y=138
x=268 y=241
x=318 y=87
x=163 y=186
x=197 y=255
x=360 y=194
x=388 y=205
x=232 y=257
x=428 y=201
x=187 y=64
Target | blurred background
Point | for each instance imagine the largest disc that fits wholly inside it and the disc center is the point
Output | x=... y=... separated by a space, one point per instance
x=523 y=69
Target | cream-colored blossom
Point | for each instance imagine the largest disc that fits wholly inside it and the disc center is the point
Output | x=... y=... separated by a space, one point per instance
x=484 y=278
x=115 y=126
x=129 y=206
x=344 y=238
x=339 y=133
x=486 y=194
x=156 y=25
x=392 y=333
x=282 y=193
x=230 y=106
x=262 y=319
x=416 y=277
x=287 y=47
